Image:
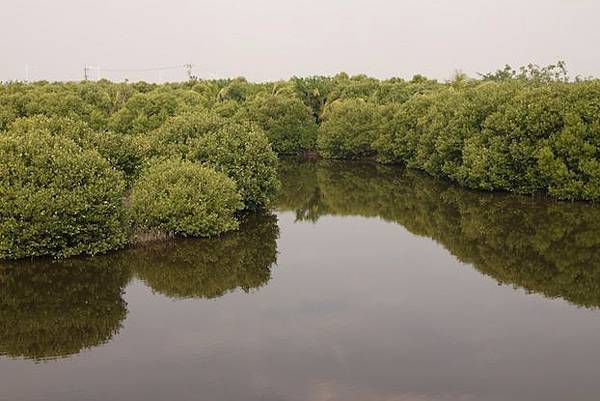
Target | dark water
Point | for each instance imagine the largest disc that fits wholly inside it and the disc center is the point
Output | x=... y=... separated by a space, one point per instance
x=366 y=283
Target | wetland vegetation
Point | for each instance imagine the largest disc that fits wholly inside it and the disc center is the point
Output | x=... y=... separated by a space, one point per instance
x=86 y=166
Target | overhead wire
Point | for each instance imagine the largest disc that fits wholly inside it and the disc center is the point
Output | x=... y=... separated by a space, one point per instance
x=141 y=69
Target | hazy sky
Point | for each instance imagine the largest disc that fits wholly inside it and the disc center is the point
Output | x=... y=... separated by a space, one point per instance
x=271 y=39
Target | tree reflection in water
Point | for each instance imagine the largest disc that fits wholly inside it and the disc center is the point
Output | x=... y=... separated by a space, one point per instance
x=52 y=309
x=209 y=268
x=544 y=246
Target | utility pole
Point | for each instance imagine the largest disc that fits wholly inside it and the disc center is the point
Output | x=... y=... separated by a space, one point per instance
x=188 y=70
x=85 y=72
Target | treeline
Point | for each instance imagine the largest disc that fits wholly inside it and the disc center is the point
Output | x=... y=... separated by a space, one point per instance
x=288 y=111
x=67 y=190
x=86 y=167
x=528 y=132
x=192 y=158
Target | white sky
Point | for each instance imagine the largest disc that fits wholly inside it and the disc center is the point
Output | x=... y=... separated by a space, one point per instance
x=272 y=39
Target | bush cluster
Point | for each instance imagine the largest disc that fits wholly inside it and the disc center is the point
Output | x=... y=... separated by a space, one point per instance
x=527 y=131
x=288 y=123
x=57 y=199
x=240 y=150
x=349 y=128
x=146 y=111
x=63 y=184
x=185 y=198
x=503 y=136
x=121 y=151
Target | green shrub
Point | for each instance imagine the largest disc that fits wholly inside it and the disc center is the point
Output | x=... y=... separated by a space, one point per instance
x=79 y=101
x=542 y=139
x=185 y=198
x=76 y=130
x=429 y=131
x=8 y=114
x=398 y=91
x=236 y=89
x=147 y=111
x=173 y=138
x=508 y=135
x=527 y=131
x=226 y=109
x=349 y=128
x=240 y=150
x=503 y=154
x=313 y=92
x=287 y=121
x=355 y=87
x=244 y=153
x=119 y=149
x=57 y=199
x=569 y=160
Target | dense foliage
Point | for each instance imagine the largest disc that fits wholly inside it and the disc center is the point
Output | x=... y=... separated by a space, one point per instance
x=119 y=150
x=146 y=111
x=288 y=122
x=503 y=135
x=185 y=198
x=240 y=150
x=57 y=199
x=528 y=131
x=349 y=128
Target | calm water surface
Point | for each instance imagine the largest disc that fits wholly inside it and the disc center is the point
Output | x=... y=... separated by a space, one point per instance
x=365 y=283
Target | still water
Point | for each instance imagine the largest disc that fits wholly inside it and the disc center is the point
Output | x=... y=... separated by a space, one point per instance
x=365 y=283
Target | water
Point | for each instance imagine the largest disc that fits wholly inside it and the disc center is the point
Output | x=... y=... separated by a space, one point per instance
x=365 y=283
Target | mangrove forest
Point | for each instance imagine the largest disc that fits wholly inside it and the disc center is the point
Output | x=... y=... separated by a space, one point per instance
x=90 y=167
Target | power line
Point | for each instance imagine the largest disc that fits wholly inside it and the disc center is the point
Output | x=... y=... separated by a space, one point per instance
x=88 y=70
x=188 y=70
x=145 y=69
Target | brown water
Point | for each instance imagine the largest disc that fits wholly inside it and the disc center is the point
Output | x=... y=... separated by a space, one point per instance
x=366 y=283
